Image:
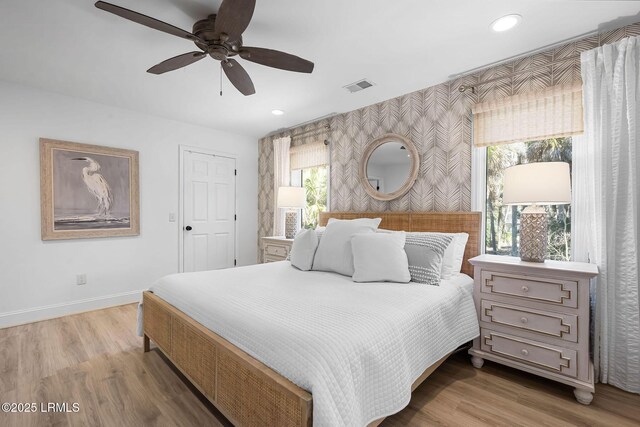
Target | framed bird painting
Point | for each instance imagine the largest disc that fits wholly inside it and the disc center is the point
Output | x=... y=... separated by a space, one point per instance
x=88 y=191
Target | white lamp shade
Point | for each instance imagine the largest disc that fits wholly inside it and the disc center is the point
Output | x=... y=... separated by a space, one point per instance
x=545 y=183
x=292 y=197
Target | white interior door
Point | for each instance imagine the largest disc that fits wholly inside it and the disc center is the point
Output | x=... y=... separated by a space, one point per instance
x=209 y=212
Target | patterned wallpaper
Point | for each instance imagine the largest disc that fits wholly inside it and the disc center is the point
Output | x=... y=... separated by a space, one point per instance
x=437 y=120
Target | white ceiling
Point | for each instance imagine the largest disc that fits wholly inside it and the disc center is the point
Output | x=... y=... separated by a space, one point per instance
x=71 y=47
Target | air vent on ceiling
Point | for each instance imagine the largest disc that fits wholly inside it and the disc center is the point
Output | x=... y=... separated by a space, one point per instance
x=359 y=85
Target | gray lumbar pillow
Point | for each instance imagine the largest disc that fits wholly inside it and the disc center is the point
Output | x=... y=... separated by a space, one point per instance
x=380 y=257
x=303 y=249
x=334 y=250
x=425 y=252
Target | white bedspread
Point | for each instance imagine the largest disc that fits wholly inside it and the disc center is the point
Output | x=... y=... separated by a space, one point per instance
x=357 y=347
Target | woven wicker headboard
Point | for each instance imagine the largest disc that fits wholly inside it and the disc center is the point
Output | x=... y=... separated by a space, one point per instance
x=444 y=222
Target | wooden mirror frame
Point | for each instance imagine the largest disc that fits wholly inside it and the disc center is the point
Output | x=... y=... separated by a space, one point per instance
x=413 y=175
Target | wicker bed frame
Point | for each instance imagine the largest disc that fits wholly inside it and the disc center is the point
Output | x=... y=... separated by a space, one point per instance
x=246 y=391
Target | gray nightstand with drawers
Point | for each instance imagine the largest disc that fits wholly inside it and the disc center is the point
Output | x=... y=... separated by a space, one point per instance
x=275 y=248
x=535 y=317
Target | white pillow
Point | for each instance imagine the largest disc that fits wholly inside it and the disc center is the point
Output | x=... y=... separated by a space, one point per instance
x=425 y=252
x=380 y=257
x=453 y=255
x=319 y=232
x=334 y=250
x=303 y=249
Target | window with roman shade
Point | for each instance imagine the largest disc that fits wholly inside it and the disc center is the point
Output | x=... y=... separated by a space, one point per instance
x=553 y=112
x=528 y=128
x=309 y=155
x=309 y=169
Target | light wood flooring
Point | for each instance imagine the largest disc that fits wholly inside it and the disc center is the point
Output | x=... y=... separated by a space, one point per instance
x=96 y=360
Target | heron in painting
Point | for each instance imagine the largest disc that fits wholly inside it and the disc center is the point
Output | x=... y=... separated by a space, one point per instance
x=97 y=186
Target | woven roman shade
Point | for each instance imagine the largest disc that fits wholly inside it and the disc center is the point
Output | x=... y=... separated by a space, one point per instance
x=309 y=155
x=549 y=113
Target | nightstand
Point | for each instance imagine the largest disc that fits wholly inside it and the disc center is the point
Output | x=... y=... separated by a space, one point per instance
x=275 y=248
x=535 y=317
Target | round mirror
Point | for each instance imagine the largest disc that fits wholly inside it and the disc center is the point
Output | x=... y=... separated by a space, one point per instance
x=389 y=167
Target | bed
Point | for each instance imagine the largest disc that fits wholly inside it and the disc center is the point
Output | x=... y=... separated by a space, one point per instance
x=302 y=366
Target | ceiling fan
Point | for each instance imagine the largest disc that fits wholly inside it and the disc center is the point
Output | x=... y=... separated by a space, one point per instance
x=220 y=37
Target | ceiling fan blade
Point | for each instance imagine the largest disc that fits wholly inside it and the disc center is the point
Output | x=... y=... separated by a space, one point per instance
x=176 y=62
x=145 y=20
x=234 y=16
x=276 y=59
x=238 y=76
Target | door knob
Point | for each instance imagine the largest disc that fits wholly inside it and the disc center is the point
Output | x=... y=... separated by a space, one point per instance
x=188 y=228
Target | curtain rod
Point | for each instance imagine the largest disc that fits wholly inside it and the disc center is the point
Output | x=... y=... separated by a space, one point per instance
x=525 y=54
x=464 y=88
x=299 y=125
x=320 y=129
x=472 y=87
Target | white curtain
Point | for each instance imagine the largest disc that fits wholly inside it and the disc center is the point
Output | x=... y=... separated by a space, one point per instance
x=281 y=178
x=606 y=197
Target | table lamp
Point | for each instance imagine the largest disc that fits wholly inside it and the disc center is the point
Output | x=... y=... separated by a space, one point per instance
x=293 y=199
x=535 y=184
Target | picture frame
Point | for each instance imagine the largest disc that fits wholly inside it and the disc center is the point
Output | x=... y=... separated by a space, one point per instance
x=88 y=191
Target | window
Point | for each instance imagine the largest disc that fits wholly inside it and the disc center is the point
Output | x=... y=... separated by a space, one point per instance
x=309 y=169
x=314 y=180
x=502 y=226
x=547 y=118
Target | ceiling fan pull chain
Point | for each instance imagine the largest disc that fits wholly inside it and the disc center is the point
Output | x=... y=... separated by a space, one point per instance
x=220 y=78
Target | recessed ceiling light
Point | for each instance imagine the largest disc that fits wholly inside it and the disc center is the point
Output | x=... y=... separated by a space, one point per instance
x=277 y=112
x=505 y=23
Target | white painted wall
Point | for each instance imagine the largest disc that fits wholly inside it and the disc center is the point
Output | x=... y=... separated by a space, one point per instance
x=37 y=279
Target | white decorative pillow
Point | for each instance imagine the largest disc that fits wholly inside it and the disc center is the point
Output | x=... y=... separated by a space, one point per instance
x=425 y=252
x=303 y=249
x=380 y=257
x=319 y=232
x=334 y=250
x=453 y=256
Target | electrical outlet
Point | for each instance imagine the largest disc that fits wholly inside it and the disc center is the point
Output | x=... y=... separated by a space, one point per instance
x=81 y=279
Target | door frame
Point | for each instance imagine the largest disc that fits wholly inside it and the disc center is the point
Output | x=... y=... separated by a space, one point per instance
x=201 y=150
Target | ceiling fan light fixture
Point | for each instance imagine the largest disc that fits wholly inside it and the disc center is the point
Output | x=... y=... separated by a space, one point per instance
x=506 y=22
x=220 y=37
x=277 y=112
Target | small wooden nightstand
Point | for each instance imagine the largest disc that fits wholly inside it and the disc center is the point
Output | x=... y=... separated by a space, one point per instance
x=275 y=248
x=535 y=317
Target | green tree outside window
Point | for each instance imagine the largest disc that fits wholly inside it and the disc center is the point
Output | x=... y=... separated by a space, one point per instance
x=314 y=180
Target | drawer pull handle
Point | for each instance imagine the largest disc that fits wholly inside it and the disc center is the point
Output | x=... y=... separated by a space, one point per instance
x=525 y=289
x=524 y=352
x=524 y=320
